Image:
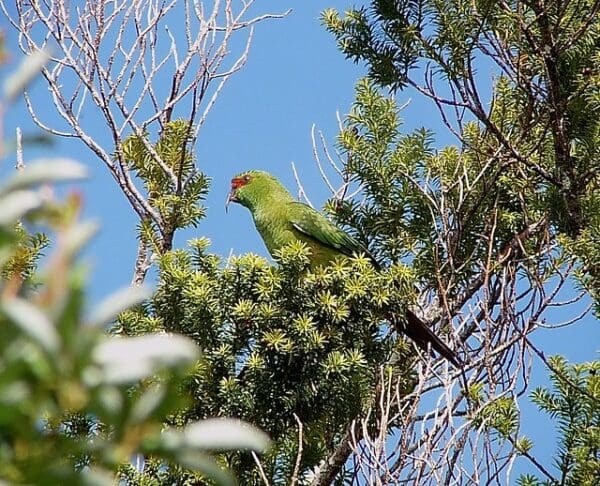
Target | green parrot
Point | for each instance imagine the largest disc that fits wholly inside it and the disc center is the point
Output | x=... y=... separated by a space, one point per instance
x=282 y=220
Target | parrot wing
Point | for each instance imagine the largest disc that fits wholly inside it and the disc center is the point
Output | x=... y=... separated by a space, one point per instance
x=314 y=225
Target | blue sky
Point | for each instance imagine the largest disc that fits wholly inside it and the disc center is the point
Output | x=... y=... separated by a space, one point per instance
x=295 y=77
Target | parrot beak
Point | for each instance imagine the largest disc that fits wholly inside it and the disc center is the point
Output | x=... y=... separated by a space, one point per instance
x=236 y=183
x=230 y=198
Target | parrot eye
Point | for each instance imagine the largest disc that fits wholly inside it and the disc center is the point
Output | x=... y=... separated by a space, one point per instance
x=247 y=178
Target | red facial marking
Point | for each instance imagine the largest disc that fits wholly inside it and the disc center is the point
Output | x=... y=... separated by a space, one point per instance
x=238 y=182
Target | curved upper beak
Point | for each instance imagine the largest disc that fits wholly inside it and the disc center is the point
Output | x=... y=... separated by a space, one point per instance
x=230 y=198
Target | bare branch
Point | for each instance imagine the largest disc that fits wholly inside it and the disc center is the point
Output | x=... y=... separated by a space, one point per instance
x=20 y=165
x=296 y=472
x=261 y=470
x=111 y=61
x=434 y=434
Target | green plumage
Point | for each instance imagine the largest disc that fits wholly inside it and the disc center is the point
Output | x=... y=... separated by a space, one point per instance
x=281 y=220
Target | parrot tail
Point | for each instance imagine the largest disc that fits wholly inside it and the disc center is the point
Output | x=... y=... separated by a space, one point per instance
x=423 y=336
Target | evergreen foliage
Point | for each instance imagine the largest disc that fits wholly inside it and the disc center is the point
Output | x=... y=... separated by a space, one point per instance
x=72 y=410
x=546 y=54
x=177 y=200
x=406 y=183
x=527 y=163
x=479 y=238
x=573 y=404
x=25 y=254
x=280 y=342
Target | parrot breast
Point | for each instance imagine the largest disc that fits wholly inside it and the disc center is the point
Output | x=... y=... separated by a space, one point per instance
x=277 y=231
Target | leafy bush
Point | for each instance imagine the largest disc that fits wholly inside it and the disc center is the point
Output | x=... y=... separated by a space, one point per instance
x=76 y=405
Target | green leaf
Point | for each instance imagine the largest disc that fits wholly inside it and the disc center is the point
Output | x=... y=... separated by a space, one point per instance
x=76 y=237
x=46 y=170
x=220 y=434
x=97 y=477
x=33 y=322
x=15 y=205
x=128 y=360
x=29 y=68
x=147 y=403
x=200 y=462
x=107 y=311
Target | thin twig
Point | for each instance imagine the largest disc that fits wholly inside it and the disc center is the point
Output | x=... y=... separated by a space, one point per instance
x=261 y=471
x=20 y=165
x=296 y=472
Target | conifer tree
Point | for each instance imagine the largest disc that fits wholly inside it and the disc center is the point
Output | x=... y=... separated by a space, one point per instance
x=481 y=238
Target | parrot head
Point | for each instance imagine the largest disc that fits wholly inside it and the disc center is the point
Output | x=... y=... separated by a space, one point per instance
x=254 y=187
